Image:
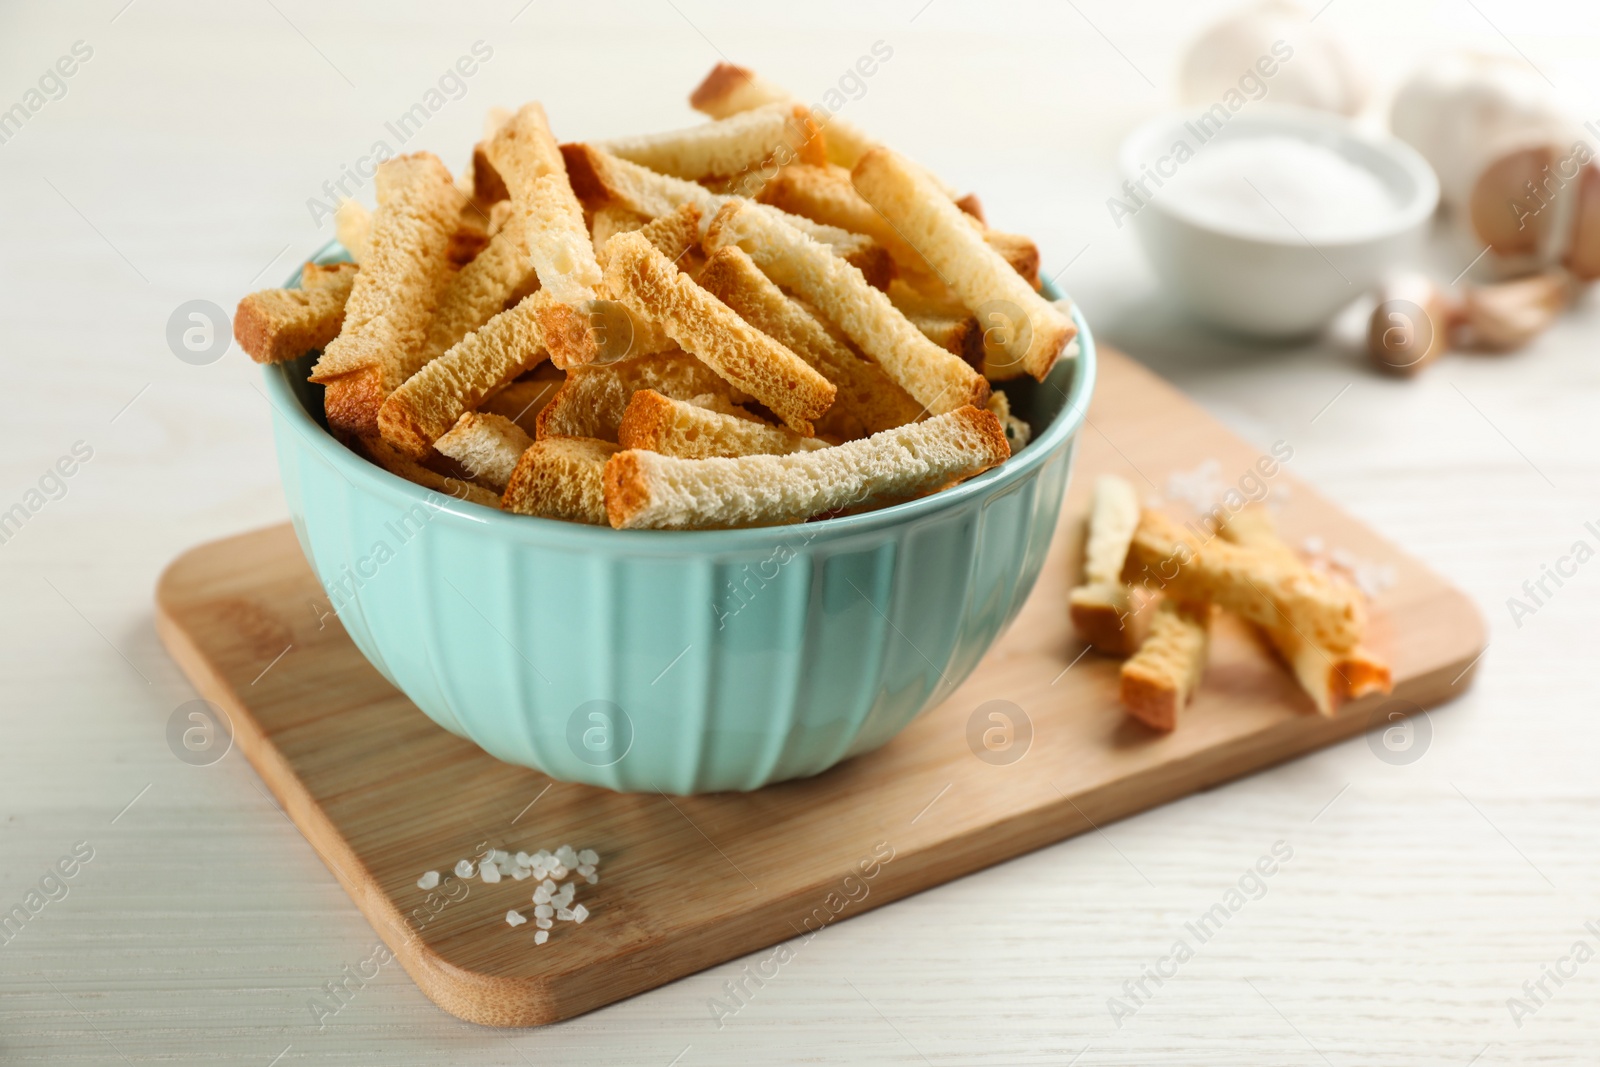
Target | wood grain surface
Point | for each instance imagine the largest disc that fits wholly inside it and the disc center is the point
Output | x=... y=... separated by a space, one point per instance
x=383 y=795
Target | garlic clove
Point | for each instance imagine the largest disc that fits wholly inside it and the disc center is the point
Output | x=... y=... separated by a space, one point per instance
x=1507 y=315
x=1411 y=325
x=1583 y=251
x=1505 y=211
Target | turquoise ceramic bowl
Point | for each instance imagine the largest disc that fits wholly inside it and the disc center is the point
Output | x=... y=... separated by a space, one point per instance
x=677 y=662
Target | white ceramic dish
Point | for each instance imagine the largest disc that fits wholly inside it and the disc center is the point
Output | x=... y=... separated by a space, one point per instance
x=1270 y=286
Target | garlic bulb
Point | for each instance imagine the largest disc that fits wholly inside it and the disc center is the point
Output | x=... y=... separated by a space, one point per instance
x=1320 y=71
x=1510 y=162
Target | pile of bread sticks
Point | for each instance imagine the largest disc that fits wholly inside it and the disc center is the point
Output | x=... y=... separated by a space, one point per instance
x=764 y=318
x=1150 y=587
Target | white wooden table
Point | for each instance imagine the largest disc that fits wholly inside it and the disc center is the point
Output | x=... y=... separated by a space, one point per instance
x=177 y=166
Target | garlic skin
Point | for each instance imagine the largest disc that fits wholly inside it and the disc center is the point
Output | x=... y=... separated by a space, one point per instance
x=1514 y=168
x=1463 y=111
x=1321 y=73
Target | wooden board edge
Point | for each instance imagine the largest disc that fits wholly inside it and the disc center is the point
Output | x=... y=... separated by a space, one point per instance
x=532 y=1001
x=466 y=994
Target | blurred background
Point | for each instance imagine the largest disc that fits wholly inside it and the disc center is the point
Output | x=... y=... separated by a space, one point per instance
x=193 y=154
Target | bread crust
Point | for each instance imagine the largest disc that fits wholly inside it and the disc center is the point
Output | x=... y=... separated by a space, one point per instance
x=561 y=478
x=1161 y=678
x=682 y=428
x=647 y=490
x=959 y=253
x=428 y=403
x=775 y=133
x=935 y=378
x=487 y=446
x=867 y=399
x=276 y=325
x=1260 y=587
x=600 y=179
x=393 y=297
x=592 y=401
x=648 y=284
x=1329 y=677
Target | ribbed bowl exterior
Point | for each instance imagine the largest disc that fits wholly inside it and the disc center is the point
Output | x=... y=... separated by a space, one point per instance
x=677 y=662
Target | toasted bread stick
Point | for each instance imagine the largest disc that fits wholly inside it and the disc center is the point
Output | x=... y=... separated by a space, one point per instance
x=1161 y=678
x=487 y=446
x=481 y=289
x=352 y=225
x=687 y=430
x=601 y=179
x=648 y=284
x=730 y=90
x=867 y=401
x=937 y=379
x=561 y=478
x=1034 y=332
x=592 y=401
x=428 y=404
x=393 y=298
x=602 y=330
x=380 y=452
x=275 y=325
x=1258 y=586
x=1102 y=607
x=727 y=146
x=527 y=158
x=826 y=195
x=1329 y=678
x=644 y=489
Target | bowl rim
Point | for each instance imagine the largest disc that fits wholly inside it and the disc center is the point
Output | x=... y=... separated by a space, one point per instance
x=369 y=476
x=1283 y=118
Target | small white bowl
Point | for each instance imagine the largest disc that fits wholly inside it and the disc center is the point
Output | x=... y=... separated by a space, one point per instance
x=1269 y=286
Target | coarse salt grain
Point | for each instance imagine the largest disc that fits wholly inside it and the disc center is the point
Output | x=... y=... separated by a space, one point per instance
x=592 y=879
x=543 y=924
x=515 y=918
x=564 y=898
x=566 y=857
x=544 y=911
x=559 y=871
x=464 y=869
x=520 y=873
x=523 y=859
x=428 y=880
x=586 y=869
x=489 y=872
x=564 y=914
x=580 y=913
x=541 y=936
x=588 y=857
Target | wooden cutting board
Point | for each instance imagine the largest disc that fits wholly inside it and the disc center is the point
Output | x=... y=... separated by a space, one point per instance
x=383 y=795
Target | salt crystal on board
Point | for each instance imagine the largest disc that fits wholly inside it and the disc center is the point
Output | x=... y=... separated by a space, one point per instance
x=428 y=880
x=541 y=936
x=464 y=868
x=588 y=857
x=489 y=872
x=580 y=913
x=515 y=918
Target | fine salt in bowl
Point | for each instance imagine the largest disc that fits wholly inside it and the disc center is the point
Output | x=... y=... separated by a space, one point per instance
x=1269 y=221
